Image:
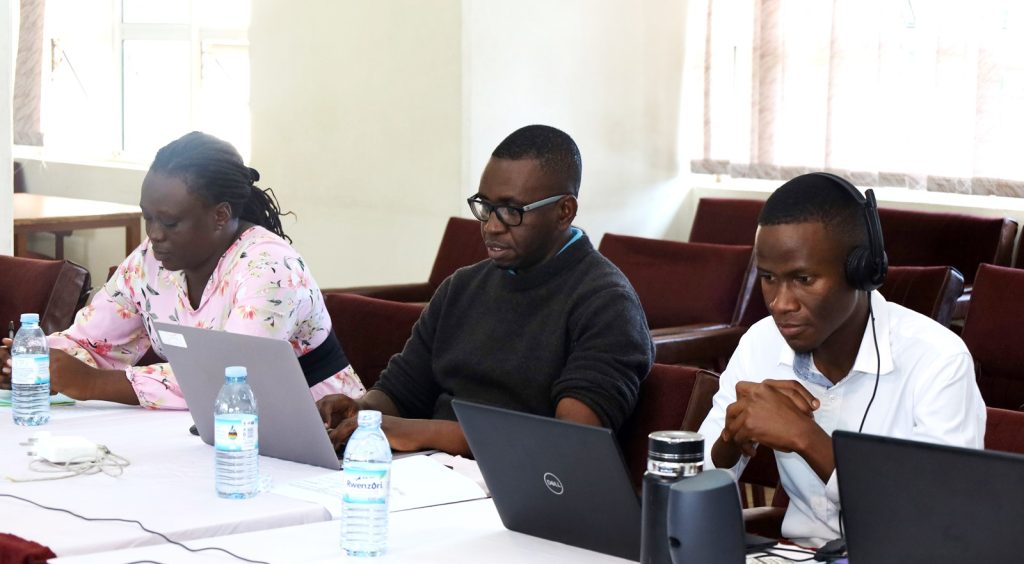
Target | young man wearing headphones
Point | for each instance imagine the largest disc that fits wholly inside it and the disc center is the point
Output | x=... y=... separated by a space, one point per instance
x=833 y=355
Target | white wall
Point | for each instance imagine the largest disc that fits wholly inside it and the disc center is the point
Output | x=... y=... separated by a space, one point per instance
x=605 y=71
x=357 y=125
x=7 y=53
x=373 y=120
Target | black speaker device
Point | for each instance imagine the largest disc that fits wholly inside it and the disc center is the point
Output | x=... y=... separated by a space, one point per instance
x=705 y=521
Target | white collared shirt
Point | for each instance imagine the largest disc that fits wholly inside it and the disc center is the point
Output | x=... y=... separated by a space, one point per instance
x=926 y=391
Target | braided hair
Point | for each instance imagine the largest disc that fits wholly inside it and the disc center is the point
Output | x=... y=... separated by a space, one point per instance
x=213 y=169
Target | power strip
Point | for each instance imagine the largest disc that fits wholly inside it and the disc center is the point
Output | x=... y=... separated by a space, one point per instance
x=61 y=450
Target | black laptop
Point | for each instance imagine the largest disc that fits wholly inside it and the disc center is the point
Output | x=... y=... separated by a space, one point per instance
x=908 y=501
x=556 y=479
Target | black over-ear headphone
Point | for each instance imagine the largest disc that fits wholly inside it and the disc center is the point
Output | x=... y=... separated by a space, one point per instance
x=865 y=266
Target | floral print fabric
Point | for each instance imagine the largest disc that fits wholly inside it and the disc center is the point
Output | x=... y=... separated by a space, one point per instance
x=260 y=287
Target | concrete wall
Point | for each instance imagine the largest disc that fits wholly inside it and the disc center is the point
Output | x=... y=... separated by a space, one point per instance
x=373 y=121
x=357 y=125
x=7 y=53
x=605 y=71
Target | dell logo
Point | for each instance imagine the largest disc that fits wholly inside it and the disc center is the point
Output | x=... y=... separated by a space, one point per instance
x=553 y=483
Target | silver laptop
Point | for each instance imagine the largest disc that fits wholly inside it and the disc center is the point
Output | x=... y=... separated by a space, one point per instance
x=290 y=425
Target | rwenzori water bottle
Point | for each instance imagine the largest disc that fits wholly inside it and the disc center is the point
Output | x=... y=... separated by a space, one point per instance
x=236 y=437
x=30 y=373
x=367 y=475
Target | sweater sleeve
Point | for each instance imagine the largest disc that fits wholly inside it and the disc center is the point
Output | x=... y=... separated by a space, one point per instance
x=409 y=378
x=611 y=353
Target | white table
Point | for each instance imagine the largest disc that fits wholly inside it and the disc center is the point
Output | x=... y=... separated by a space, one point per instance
x=168 y=487
x=468 y=532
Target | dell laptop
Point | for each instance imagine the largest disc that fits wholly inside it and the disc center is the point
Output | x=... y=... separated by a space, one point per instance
x=555 y=479
x=909 y=501
x=290 y=425
x=558 y=480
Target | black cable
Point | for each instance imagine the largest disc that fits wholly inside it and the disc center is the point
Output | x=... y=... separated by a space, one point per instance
x=771 y=552
x=141 y=526
x=878 y=366
x=878 y=372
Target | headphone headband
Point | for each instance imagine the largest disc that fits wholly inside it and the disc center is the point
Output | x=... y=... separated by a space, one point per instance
x=865 y=266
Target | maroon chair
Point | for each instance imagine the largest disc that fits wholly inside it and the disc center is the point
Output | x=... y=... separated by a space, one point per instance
x=371 y=331
x=18 y=550
x=929 y=290
x=993 y=334
x=693 y=294
x=725 y=221
x=461 y=246
x=55 y=289
x=918 y=238
x=761 y=515
x=662 y=405
x=1004 y=430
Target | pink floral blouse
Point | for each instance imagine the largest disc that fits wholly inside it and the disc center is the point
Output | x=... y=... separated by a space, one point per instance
x=261 y=287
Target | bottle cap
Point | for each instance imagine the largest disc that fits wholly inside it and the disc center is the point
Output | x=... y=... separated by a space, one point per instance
x=30 y=318
x=235 y=372
x=675 y=446
x=368 y=417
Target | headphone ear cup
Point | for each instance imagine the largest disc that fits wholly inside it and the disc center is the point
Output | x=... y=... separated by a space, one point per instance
x=858 y=269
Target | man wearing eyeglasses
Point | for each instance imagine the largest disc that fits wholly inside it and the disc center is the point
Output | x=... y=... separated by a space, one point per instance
x=547 y=325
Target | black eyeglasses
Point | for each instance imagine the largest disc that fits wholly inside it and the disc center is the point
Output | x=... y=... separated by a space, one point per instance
x=508 y=214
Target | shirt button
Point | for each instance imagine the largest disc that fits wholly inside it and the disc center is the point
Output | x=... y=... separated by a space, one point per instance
x=832 y=398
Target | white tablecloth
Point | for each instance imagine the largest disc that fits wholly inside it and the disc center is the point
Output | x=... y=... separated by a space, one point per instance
x=168 y=487
x=468 y=532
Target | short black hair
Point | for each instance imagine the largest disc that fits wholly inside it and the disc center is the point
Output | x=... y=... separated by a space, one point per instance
x=553 y=148
x=818 y=198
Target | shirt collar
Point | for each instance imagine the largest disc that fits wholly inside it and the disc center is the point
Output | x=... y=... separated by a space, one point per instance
x=866 y=361
x=576 y=232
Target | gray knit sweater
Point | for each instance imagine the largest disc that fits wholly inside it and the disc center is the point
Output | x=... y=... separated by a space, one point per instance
x=570 y=327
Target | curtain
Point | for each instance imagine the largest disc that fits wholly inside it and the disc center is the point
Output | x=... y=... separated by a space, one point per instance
x=918 y=94
x=28 y=74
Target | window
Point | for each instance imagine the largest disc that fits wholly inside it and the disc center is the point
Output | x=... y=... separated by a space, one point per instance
x=121 y=78
x=919 y=94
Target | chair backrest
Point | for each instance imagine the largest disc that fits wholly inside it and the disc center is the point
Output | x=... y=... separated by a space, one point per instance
x=705 y=386
x=55 y=289
x=725 y=221
x=461 y=246
x=371 y=330
x=912 y=238
x=664 y=395
x=993 y=334
x=682 y=283
x=1004 y=430
x=929 y=290
x=917 y=238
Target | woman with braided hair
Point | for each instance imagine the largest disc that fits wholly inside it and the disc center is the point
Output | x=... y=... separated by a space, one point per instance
x=215 y=257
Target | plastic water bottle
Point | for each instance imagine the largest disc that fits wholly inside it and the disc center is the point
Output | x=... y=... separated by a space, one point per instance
x=30 y=374
x=236 y=437
x=367 y=475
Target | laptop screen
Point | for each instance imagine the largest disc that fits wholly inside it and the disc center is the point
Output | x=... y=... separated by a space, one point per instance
x=908 y=501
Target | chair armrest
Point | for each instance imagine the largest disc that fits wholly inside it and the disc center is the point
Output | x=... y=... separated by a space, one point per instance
x=705 y=346
x=418 y=292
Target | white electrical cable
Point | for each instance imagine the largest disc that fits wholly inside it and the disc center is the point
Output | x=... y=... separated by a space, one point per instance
x=101 y=460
